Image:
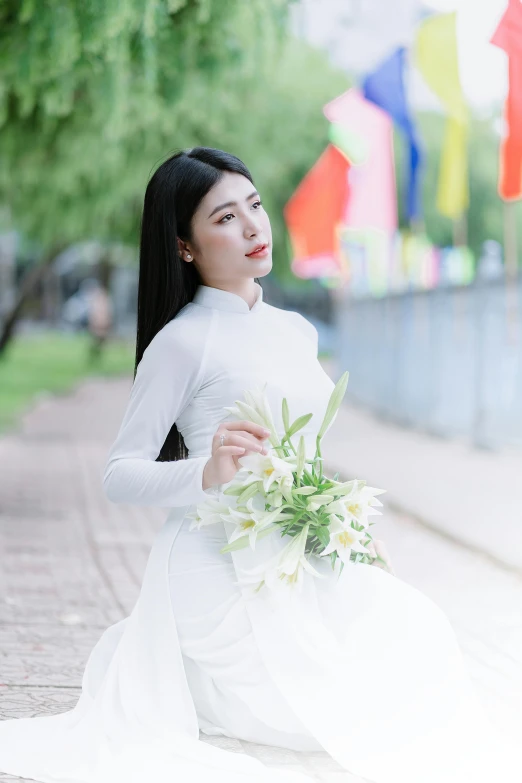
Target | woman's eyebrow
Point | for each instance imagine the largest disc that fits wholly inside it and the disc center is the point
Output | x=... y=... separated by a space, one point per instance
x=232 y=203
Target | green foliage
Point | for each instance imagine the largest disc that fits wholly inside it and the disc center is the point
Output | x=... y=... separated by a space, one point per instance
x=95 y=93
x=98 y=92
x=53 y=363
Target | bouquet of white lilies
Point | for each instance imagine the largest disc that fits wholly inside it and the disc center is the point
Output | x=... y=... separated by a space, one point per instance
x=287 y=492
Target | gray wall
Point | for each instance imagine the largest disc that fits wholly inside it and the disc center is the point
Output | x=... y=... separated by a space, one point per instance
x=446 y=361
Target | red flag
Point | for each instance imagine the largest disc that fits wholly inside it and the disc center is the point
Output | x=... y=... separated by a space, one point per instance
x=508 y=36
x=316 y=207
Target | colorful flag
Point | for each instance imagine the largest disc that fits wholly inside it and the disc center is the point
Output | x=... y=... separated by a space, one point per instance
x=313 y=212
x=508 y=36
x=385 y=88
x=372 y=200
x=436 y=57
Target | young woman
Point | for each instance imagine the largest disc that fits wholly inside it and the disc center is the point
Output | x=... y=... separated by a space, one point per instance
x=363 y=665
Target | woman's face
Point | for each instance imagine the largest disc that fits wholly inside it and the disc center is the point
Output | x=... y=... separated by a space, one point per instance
x=229 y=223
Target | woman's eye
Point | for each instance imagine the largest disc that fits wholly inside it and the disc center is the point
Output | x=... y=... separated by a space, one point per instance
x=229 y=214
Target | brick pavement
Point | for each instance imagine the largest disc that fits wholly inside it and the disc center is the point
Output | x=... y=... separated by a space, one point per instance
x=72 y=564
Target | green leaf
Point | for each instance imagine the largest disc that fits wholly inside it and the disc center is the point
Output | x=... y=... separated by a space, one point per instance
x=287 y=494
x=233 y=490
x=300 y=456
x=323 y=535
x=286 y=414
x=248 y=492
x=347 y=487
x=299 y=423
x=334 y=403
x=239 y=543
x=326 y=497
x=306 y=490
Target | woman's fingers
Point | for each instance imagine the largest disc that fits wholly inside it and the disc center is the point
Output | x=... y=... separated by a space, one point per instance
x=247 y=434
x=382 y=552
x=249 y=443
x=232 y=451
x=230 y=436
x=248 y=427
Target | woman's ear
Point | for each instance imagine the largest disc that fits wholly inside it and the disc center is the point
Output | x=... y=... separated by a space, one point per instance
x=184 y=251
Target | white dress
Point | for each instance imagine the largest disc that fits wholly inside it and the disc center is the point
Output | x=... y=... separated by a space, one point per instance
x=363 y=666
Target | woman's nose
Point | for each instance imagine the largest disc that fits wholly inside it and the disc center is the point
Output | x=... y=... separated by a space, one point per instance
x=253 y=227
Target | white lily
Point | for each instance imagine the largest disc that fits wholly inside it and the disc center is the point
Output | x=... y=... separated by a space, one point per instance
x=285 y=569
x=358 y=505
x=210 y=512
x=258 y=400
x=256 y=523
x=344 y=539
x=256 y=408
x=244 y=411
x=252 y=521
x=269 y=468
x=276 y=498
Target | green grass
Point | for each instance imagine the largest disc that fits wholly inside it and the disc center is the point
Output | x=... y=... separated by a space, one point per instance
x=52 y=362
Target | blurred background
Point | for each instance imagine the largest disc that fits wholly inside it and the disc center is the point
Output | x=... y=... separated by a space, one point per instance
x=386 y=141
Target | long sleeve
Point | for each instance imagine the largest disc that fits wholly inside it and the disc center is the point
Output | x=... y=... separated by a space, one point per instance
x=166 y=380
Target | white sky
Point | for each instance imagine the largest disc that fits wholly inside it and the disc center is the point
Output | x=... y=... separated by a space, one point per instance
x=483 y=67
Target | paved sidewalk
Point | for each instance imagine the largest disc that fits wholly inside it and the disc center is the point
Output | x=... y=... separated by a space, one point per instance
x=469 y=495
x=72 y=564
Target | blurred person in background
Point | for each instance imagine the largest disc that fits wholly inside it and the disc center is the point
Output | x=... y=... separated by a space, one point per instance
x=99 y=318
x=75 y=310
x=90 y=309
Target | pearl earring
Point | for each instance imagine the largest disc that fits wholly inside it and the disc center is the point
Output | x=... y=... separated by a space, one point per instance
x=188 y=255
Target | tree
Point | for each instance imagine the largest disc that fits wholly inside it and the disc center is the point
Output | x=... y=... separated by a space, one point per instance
x=126 y=85
x=95 y=92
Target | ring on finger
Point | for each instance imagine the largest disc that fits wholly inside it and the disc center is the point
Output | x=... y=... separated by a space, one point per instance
x=221 y=440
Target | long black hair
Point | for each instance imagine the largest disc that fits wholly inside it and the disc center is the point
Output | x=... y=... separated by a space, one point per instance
x=166 y=283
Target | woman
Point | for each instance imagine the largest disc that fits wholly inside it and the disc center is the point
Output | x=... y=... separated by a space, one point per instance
x=362 y=666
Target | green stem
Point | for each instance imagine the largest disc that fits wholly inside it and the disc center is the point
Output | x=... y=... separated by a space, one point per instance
x=318 y=454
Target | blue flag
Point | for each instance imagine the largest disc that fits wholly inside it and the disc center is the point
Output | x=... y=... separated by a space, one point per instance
x=385 y=88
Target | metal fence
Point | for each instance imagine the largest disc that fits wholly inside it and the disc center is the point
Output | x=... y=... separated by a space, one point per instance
x=446 y=361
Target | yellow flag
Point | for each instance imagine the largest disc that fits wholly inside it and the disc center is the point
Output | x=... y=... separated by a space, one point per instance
x=435 y=52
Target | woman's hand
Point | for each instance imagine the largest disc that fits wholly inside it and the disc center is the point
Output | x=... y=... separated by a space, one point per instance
x=378 y=548
x=241 y=438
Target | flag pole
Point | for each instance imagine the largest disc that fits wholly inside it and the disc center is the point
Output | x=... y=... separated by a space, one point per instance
x=460 y=231
x=511 y=270
x=510 y=240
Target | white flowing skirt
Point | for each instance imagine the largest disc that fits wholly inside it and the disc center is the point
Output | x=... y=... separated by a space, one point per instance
x=233 y=692
x=363 y=666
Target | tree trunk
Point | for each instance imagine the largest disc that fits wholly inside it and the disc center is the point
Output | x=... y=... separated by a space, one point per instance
x=27 y=285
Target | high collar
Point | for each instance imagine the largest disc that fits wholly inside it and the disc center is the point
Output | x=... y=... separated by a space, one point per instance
x=217 y=298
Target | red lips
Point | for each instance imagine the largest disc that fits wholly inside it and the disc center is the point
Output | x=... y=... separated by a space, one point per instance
x=257 y=250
